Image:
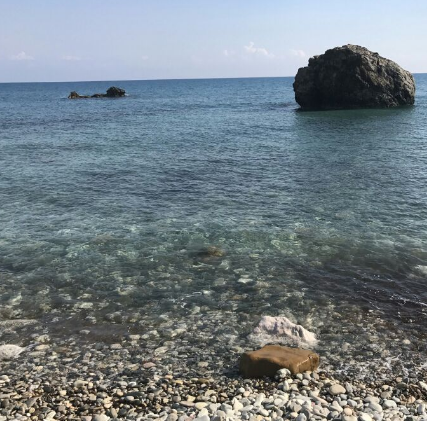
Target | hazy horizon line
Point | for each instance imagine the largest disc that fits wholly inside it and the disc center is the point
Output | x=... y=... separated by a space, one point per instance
x=165 y=79
x=153 y=80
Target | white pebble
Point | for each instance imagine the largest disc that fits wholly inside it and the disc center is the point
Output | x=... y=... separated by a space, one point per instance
x=376 y=407
x=337 y=389
x=388 y=403
x=8 y=352
x=363 y=416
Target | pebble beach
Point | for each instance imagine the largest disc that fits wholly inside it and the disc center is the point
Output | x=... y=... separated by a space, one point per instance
x=140 y=377
x=112 y=384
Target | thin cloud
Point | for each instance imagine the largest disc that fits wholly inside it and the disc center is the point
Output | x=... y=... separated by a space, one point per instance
x=298 y=53
x=71 y=58
x=144 y=58
x=251 y=49
x=22 y=56
x=228 y=53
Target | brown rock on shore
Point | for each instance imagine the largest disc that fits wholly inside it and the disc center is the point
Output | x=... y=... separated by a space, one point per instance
x=271 y=358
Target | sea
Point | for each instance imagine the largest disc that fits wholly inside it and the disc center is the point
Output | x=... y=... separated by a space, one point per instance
x=110 y=210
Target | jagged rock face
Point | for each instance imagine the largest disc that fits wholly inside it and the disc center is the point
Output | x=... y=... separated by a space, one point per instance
x=114 y=92
x=352 y=77
x=74 y=95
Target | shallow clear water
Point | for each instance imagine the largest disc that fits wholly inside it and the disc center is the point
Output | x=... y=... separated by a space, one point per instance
x=106 y=204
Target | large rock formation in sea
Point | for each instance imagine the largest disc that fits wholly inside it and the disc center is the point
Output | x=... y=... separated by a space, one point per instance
x=352 y=77
x=112 y=92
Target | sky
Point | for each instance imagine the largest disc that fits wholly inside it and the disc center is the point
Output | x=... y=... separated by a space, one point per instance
x=76 y=40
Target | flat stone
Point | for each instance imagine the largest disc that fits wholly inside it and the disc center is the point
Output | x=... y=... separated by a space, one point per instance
x=148 y=365
x=202 y=418
x=337 y=389
x=42 y=347
x=271 y=358
x=363 y=416
x=116 y=346
x=388 y=403
x=100 y=417
x=79 y=383
x=237 y=406
x=348 y=417
x=376 y=407
x=187 y=404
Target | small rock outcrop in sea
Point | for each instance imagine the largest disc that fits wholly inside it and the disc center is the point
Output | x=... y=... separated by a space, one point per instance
x=112 y=92
x=282 y=330
x=352 y=77
x=271 y=358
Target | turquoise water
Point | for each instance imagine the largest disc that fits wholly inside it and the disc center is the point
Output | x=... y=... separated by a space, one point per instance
x=105 y=206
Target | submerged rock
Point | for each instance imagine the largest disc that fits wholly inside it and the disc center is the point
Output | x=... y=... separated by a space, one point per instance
x=112 y=92
x=282 y=330
x=271 y=358
x=211 y=251
x=352 y=77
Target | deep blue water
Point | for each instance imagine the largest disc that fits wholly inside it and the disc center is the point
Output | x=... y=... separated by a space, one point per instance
x=105 y=204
